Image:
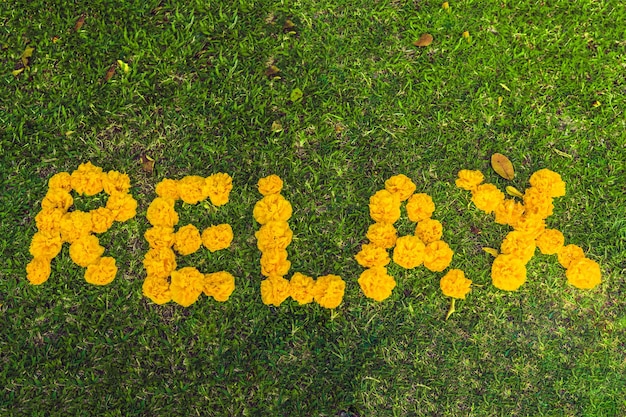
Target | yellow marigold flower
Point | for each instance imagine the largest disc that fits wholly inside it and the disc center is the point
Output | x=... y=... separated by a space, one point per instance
x=75 y=225
x=383 y=235
x=273 y=235
x=157 y=289
x=568 y=254
x=420 y=207
x=218 y=187
x=509 y=212
x=192 y=189
x=160 y=237
x=38 y=271
x=86 y=250
x=429 y=230
x=469 y=180
x=437 y=256
x=186 y=285
x=532 y=226
x=376 y=283
x=274 y=290
x=537 y=203
x=87 y=179
x=550 y=241
x=45 y=245
x=49 y=220
x=519 y=245
x=301 y=288
x=57 y=198
x=384 y=207
x=329 y=290
x=160 y=262
x=168 y=189
x=372 y=255
x=161 y=212
x=584 y=273
x=274 y=262
x=508 y=273
x=187 y=240
x=219 y=285
x=454 y=284
x=101 y=219
x=124 y=206
x=272 y=208
x=487 y=197
x=101 y=272
x=217 y=237
x=409 y=252
x=272 y=184
x=400 y=185
x=61 y=180
x=548 y=182
x=115 y=182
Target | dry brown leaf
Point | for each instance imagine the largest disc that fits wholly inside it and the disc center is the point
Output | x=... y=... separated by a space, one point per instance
x=503 y=166
x=80 y=22
x=424 y=40
x=110 y=72
x=147 y=163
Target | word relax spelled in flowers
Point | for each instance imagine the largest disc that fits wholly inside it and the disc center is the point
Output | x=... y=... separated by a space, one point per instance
x=57 y=225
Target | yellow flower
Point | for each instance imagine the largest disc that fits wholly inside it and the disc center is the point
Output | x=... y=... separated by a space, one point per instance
x=509 y=212
x=454 y=284
x=568 y=254
x=57 y=198
x=61 y=180
x=274 y=290
x=157 y=289
x=160 y=262
x=168 y=189
x=49 y=220
x=382 y=234
x=160 y=237
x=218 y=187
x=409 y=252
x=218 y=237
x=45 y=245
x=38 y=271
x=161 y=212
x=87 y=179
x=376 y=283
x=329 y=291
x=548 y=182
x=532 y=226
x=384 y=207
x=437 y=256
x=400 y=185
x=584 y=273
x=487 y=197
x=519 y=245
x=429 y=230
x=420 y=207
x=123 y=206
x=101 y=219
x=75 y=225
x=272 y=184
x=469 y=180
x=115 y=182
x=508 y=272
x=537 y=203
x=101 y=272
x=219 y=285
x=274 y=262
x=301 y=288
x=186 y=286
x=192 y=189
x=272 y=208
x=371 y=256
x=273 y=235
x=550 y=241
x=187 y=240
x=86 y=250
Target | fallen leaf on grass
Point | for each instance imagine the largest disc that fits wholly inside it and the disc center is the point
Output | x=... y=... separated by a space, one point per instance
x=277 y=127
x=491 y=251
x=296 y=95
x=24 y=62
x=110 y=72
x=424 y=40
x=289 y=27
x=272 y=71
x=124 y=66
x=503 y=166
x=451 y=309
x=147 y=163
x=514 y=192
x=80 y=22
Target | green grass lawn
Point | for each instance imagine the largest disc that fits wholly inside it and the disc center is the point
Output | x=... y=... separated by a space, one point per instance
x=541 y=82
